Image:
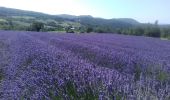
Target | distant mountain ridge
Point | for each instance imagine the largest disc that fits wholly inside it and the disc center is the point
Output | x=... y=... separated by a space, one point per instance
x=21 y=18
x=17 y=12
x=15 y=19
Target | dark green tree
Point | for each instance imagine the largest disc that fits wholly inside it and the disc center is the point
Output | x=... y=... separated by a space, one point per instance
x=51 y=23
x=37 y=26
x=69 y=29
x=138 y=31
x=89 y=29
x=153 y=30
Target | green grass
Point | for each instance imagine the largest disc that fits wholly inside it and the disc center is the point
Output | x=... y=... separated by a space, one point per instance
x=70 y=90
x=156 y=70
x=21 y=23
x=162 y=76
x=57 y=31
x=165 y=38
x=53 y=97
x=1 y=74
x=137 y=72
x=22 y=17
x=72 y=93
x=2 y=46
x=2 y=20
x=27 y=62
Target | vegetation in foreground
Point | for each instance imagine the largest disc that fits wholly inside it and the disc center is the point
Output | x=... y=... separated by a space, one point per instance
x=37 y=65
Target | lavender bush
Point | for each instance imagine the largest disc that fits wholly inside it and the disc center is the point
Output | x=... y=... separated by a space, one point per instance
x=83 y=67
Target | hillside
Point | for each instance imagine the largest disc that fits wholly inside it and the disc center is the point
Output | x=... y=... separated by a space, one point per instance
x=15 y=19
x=21 y=19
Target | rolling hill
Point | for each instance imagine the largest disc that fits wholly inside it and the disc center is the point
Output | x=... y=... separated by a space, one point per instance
x=21 y=19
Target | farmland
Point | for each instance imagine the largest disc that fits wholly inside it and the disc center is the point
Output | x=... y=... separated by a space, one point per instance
x=41 y=65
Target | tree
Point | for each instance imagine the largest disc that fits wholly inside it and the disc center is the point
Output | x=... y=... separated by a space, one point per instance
x=89 y=29
x=138 y=31
x=37 y=26
x=156 y=22
x=153 y=31
x=51 y=23
x=69 y=29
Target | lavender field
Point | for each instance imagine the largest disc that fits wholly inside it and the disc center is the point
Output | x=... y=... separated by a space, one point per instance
x=54 y=66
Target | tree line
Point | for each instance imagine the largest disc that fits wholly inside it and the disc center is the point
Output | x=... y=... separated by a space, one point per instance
x=151 y=30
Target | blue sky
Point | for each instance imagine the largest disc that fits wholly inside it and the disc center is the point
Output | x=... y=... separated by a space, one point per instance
x=141 y=10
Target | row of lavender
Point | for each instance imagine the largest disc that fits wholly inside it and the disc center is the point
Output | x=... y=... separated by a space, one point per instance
x=123 y=53
x=36 y=70
x=68 y=66
x=146 y=59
